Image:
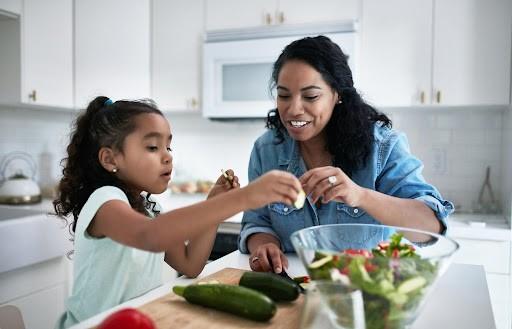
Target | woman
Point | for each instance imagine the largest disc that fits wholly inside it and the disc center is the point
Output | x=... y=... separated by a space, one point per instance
x=352 y=165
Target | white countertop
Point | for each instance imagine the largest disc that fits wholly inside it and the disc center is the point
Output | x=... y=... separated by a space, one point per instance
x=479 y=227
x=454 y=303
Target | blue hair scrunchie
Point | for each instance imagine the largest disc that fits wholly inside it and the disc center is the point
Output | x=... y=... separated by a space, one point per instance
x=108 y=102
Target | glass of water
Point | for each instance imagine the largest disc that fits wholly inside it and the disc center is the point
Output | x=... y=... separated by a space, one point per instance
x=333 y=305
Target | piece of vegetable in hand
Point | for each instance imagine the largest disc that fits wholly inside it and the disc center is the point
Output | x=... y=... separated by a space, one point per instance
x=301 y=198
x=228 y=177
x=128 y=318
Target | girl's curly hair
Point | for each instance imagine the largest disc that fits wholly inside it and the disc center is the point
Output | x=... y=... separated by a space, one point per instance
x=103 y=124
x=350 y=129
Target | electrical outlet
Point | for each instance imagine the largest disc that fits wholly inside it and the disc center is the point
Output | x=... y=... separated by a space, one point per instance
x=439 y=164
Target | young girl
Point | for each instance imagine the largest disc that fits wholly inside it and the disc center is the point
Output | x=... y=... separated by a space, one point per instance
x=117 y=151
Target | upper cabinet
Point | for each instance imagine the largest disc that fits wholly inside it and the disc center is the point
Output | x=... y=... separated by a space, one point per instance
x=47 y=53
x=177 y=32
x=395 y=55
x=8 y=7
x=228 y=14
x=435 y=52
x=37 y=54
x=112 y=49
x=472 y=49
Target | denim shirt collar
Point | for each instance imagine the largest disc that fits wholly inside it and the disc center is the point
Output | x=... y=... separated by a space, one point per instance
x=290 y=156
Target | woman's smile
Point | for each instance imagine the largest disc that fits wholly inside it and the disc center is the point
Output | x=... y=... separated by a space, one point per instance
x=298 y=123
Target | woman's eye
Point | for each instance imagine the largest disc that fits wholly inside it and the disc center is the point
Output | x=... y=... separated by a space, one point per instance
x=169 y=149
x=283 y=96
x=152 y=148
x=311 y=98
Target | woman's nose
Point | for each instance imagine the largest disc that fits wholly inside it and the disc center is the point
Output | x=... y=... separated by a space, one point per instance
x=296 y=106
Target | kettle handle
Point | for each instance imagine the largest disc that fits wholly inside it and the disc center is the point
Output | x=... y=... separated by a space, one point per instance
x=14 y=156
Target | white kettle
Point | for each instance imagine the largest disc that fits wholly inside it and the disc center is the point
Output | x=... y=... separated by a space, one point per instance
x=18 y=188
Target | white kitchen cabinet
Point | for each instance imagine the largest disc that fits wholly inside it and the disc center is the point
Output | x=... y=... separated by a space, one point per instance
x=47 y=52
x=39 y=291
x=10 y=7
x=472 y=50
x=43 y=308
x=112 y=49
x=37 y=55
x=396 y=48
x=501 y=299
x=226 y=14
x=229 y=14
x=177 y=31
x=299 y=12
x=432 y=52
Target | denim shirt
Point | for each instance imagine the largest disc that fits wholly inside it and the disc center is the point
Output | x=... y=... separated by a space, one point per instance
x=390 y=169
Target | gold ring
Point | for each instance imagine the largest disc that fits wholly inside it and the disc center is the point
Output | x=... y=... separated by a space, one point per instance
x=255 y=258
x=332 y=180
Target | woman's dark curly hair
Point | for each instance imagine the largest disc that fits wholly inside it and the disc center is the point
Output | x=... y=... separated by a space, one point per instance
x=350 y=129
x=103 y=124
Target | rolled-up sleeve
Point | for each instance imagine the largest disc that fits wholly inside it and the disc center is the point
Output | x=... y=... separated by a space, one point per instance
x=400 y=176
x=256 y=220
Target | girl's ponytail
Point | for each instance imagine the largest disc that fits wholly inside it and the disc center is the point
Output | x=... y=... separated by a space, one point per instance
x=73 y=170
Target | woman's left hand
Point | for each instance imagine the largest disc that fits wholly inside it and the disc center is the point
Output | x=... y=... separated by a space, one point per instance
x=331 y=183
x=224 y=184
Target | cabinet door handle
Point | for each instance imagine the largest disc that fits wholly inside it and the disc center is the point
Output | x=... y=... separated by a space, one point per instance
x=268 y=19
x=280 y=17
x=422 y=97
x=438 y=96
x=33 y=95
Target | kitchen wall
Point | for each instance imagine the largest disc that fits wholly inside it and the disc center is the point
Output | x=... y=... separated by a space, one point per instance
x=455 y=144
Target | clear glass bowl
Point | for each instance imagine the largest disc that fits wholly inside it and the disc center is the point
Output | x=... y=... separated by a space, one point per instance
x=394 y=274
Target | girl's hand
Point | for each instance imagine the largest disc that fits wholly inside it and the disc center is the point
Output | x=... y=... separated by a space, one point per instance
x=268 y=258
x=224 y=184
x=274 y=186
x=331 y=183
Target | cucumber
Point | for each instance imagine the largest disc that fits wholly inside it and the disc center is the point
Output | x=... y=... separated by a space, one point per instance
x=233 y=299
x=272 y=285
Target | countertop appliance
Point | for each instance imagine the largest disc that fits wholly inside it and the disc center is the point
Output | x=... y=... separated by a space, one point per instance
x=237 y=65
x=18 y=188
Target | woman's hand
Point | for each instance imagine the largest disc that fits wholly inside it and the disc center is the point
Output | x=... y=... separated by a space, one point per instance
x=274 y=186
x=268 y=258
x=224 y=184
x=331 y=183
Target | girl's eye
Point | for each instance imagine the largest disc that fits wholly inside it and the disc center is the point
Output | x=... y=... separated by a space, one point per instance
x=152 y=148
x=169 y=149
x=283 y=96
x=311 y=98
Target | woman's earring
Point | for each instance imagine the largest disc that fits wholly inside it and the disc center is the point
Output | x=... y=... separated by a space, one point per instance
x=340 y=101
x=114 y=170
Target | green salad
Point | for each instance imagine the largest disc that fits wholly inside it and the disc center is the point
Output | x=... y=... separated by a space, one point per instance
x=392 y=277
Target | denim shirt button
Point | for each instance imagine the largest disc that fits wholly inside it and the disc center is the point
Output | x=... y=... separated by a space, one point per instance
x=356 y=210
x=285 y=209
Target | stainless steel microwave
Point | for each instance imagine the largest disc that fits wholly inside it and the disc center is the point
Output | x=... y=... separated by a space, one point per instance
x=237 y=66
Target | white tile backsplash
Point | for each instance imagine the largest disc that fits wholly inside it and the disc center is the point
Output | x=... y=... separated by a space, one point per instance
x=455 y=145
x=468 y=140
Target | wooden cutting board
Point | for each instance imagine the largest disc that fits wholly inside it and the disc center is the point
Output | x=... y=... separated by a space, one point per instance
x=172 y=311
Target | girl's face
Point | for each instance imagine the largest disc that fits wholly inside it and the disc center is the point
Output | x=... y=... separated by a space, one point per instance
x=304 y=100
x=146 y=161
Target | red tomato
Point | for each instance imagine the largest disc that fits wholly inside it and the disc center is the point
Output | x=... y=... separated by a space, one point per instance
x=127 y=318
